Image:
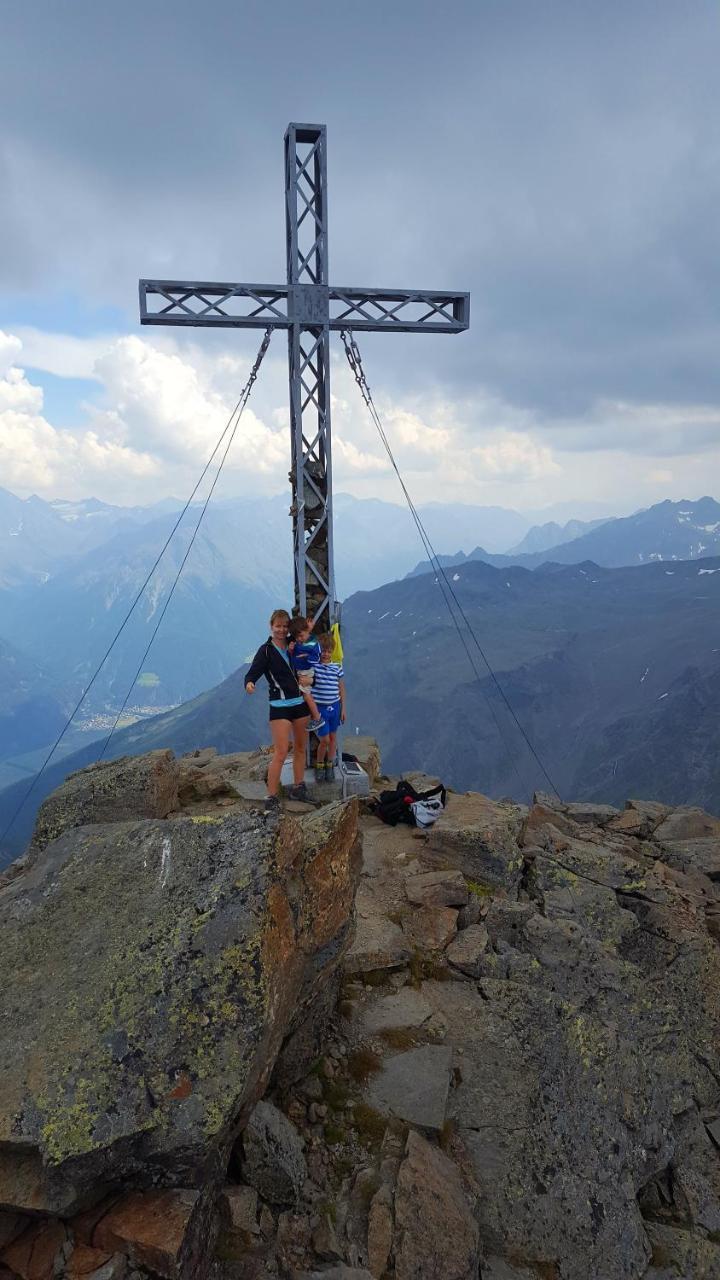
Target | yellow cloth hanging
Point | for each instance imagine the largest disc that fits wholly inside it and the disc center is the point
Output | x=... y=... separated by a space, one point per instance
x=337 y=649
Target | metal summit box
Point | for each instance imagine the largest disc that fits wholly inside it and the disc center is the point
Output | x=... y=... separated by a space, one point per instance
x=355 y=781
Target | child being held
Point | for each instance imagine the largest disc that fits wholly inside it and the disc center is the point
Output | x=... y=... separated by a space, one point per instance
x=330 y=697
x=304 y=660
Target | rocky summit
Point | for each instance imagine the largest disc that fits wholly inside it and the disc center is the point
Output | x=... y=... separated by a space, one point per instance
x=235 y=1046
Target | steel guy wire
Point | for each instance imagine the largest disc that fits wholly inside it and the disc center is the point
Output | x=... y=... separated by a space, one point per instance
x=235 y=415
x=183 y=562
x=441 y=580
x=352 y=352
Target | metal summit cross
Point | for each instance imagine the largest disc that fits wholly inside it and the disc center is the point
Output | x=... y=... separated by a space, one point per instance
x=309 y=308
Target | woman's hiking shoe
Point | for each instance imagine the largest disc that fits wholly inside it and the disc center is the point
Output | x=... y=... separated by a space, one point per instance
x=298 y=792
x=314 y=725
x=272 y=804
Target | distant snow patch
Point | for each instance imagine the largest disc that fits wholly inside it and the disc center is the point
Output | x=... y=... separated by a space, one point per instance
x=707 y=571
x=645 y=673
x=456 y=577
x=670 y=573
x=710 y=528
x=397 y=615
x=384 y=615
x=662 y=695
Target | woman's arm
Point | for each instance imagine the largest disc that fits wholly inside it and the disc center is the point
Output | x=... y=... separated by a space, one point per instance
x=257 y=668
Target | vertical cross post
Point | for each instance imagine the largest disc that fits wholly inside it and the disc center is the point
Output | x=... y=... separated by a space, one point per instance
x=309 y=309
x=309 y=371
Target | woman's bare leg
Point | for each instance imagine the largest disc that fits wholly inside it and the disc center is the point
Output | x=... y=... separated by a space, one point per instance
x=280 y=730
x=299 y=733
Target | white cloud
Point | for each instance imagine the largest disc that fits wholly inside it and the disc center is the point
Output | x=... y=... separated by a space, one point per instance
x=163 y=401
x=514 y=457
x=348 y=460
x=10 y=347
x=410 y=429
x=17 y=394
x=36 y=456
x=62 y=354
x=158 y=418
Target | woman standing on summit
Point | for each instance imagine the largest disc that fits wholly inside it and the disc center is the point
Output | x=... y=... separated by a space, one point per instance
x=288 y=710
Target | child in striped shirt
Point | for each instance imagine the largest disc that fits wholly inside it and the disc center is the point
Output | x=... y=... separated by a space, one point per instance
x=329 y=692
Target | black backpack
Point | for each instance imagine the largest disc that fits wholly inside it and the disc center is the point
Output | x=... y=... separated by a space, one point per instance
x=393 y=807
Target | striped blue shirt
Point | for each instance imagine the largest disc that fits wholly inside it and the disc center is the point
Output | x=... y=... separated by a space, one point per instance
x=326 y=688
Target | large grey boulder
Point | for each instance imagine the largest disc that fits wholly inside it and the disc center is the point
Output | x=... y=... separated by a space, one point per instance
x=413 y=1086
x=273 y=1160
x=587 y=1075
x=151 y=972
x=109 y=791
x=480 y=837
x=436 y=1233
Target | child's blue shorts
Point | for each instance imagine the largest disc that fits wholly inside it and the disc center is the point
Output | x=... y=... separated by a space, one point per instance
x=330 y=712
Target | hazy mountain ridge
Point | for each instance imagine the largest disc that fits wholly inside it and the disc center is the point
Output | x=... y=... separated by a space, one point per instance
x=71 y=570
x=577 y=650
x=685 y=530
x=542 y=537
x=597 y=663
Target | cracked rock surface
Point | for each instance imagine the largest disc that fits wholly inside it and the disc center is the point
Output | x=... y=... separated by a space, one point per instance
x=518 y=1079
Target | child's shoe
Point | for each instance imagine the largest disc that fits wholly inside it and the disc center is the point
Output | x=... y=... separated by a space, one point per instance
x=316 y=724
x=319 y=772
x=329 y=771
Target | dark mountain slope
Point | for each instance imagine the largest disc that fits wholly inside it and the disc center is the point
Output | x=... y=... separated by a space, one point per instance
x=604 y=667
x=224 y=717
x=211 y=623
x=678 y=743
x=31 y=707
x=575 y=649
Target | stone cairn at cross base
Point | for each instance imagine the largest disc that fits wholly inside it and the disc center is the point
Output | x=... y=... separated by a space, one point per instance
x=239 y=1046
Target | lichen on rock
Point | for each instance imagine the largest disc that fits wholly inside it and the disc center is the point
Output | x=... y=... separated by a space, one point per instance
x=157 y=967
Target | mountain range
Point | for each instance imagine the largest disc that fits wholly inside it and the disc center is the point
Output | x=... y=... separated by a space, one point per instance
x=685 y=530
x=69 y=572
x=613 y=674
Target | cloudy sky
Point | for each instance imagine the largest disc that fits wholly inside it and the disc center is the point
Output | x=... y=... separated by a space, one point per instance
x=561 y=160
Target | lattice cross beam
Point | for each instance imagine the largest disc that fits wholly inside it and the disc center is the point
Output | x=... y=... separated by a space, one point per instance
x=306 y=306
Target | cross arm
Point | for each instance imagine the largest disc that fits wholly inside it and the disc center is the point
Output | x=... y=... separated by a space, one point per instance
x=401 y=310
x=254 y=306
x=215 y=305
